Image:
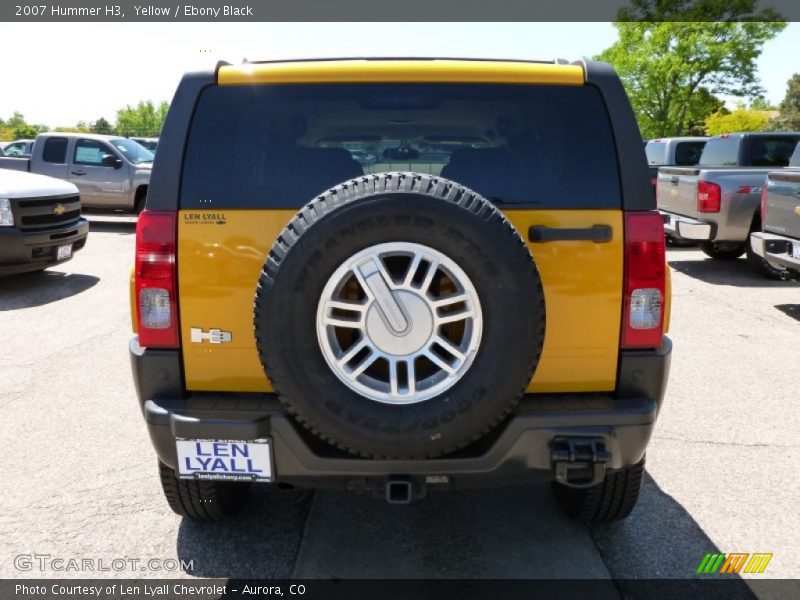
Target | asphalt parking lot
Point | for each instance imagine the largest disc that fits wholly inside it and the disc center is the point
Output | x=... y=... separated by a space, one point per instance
x=79 y=475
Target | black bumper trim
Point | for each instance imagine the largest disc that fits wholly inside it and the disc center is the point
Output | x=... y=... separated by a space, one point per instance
x=519 y=450
x=523 y=447
x=17 y=246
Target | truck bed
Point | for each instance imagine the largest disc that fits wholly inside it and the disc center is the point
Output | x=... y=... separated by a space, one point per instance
x=676 y=191
x=16 y=164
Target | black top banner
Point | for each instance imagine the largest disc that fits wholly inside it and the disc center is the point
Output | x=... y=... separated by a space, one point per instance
x=378 y=10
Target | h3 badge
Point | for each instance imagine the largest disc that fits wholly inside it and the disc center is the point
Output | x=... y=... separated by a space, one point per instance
x=214 y=336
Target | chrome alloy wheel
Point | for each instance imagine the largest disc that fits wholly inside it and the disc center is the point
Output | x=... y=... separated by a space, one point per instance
x=399 y=323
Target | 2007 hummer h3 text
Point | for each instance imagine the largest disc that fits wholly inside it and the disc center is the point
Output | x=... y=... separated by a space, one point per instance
x=393 y=282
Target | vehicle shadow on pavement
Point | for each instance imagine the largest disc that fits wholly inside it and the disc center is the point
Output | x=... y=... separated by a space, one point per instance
x=660 y=541
x=791 y=310
x=263 y=541
x=42 y=287
x=737 y=273
x=513 y=532
x=110 y=226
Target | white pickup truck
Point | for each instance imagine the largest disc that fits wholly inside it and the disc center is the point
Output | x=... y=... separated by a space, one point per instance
x=110 y=171
x=40 y=222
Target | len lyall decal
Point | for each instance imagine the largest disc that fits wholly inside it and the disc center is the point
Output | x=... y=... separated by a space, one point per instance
x=734 y=562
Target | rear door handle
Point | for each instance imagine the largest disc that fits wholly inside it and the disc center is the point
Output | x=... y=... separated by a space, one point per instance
x=599 y=234
x=79 y=172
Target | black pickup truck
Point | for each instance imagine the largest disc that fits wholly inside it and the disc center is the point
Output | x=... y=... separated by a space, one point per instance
x=779 y=241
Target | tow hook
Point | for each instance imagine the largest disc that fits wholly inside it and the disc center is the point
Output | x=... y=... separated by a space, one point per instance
x=585 y=457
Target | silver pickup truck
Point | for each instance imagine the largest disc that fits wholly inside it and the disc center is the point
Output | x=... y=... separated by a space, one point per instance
x=717 y=203
x=110 y=172
x=779 y=242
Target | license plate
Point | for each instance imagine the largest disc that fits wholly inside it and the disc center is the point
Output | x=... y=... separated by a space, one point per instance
x=64 y=252
x=226 y=460
x=796 y=251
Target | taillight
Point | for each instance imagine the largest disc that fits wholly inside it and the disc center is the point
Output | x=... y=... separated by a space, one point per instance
x=645 y=280
x=156 y=280
x=708 y=197
x=764 y=190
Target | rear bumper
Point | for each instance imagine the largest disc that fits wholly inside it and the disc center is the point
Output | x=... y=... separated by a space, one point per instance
x=686 y=228
x=520 y=450
x=775 y=249
x=25 y=251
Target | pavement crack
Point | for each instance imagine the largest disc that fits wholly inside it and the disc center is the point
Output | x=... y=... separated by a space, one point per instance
x=718 y=443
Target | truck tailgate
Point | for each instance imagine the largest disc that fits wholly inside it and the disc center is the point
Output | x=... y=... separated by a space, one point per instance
x=676 y=190
x=15 y=164
x=783 y=203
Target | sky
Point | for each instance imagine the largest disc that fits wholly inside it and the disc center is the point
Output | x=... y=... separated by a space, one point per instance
x=81 y=72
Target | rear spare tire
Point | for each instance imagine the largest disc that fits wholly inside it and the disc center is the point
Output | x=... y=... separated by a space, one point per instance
x=399 y=316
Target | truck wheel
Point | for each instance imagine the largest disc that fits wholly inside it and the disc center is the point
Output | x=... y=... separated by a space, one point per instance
x=611 y=500
x=202 y=499
x=723 y=250
x=141 y=199
x=399 y=316
x=762 y=266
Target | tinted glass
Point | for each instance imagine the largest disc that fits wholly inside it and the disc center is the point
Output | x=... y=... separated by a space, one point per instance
x=687 y=154
x=721 y=152
x=280 y=146
x=55 y=150
x=90 y=152
x=769 y=151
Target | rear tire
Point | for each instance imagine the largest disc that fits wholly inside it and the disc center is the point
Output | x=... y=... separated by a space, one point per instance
x=760 y=264
x=723 y=250
x=141 y=199
x=198 y=499
x=611 y=500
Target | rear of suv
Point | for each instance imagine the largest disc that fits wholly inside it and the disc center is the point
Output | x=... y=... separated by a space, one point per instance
x=461 y=310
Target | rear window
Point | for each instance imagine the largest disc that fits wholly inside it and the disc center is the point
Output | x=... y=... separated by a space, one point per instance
x=55 y=150
x=765 y=151
x=279 y=146
x=721 y=152
x=687 y=154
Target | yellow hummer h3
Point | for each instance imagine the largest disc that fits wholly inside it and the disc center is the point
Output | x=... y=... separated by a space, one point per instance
x=398 y=276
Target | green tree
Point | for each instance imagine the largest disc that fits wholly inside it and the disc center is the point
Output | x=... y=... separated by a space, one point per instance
x=701 y=104
x=101 y=126
x=696 y=10
x=788 y=118
x=144 y=119
x=740 y=119
x=762 y=103
x=672 y=69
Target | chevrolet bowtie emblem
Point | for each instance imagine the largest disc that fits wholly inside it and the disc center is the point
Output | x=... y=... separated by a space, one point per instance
x=797 y=210
x=59 y=209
